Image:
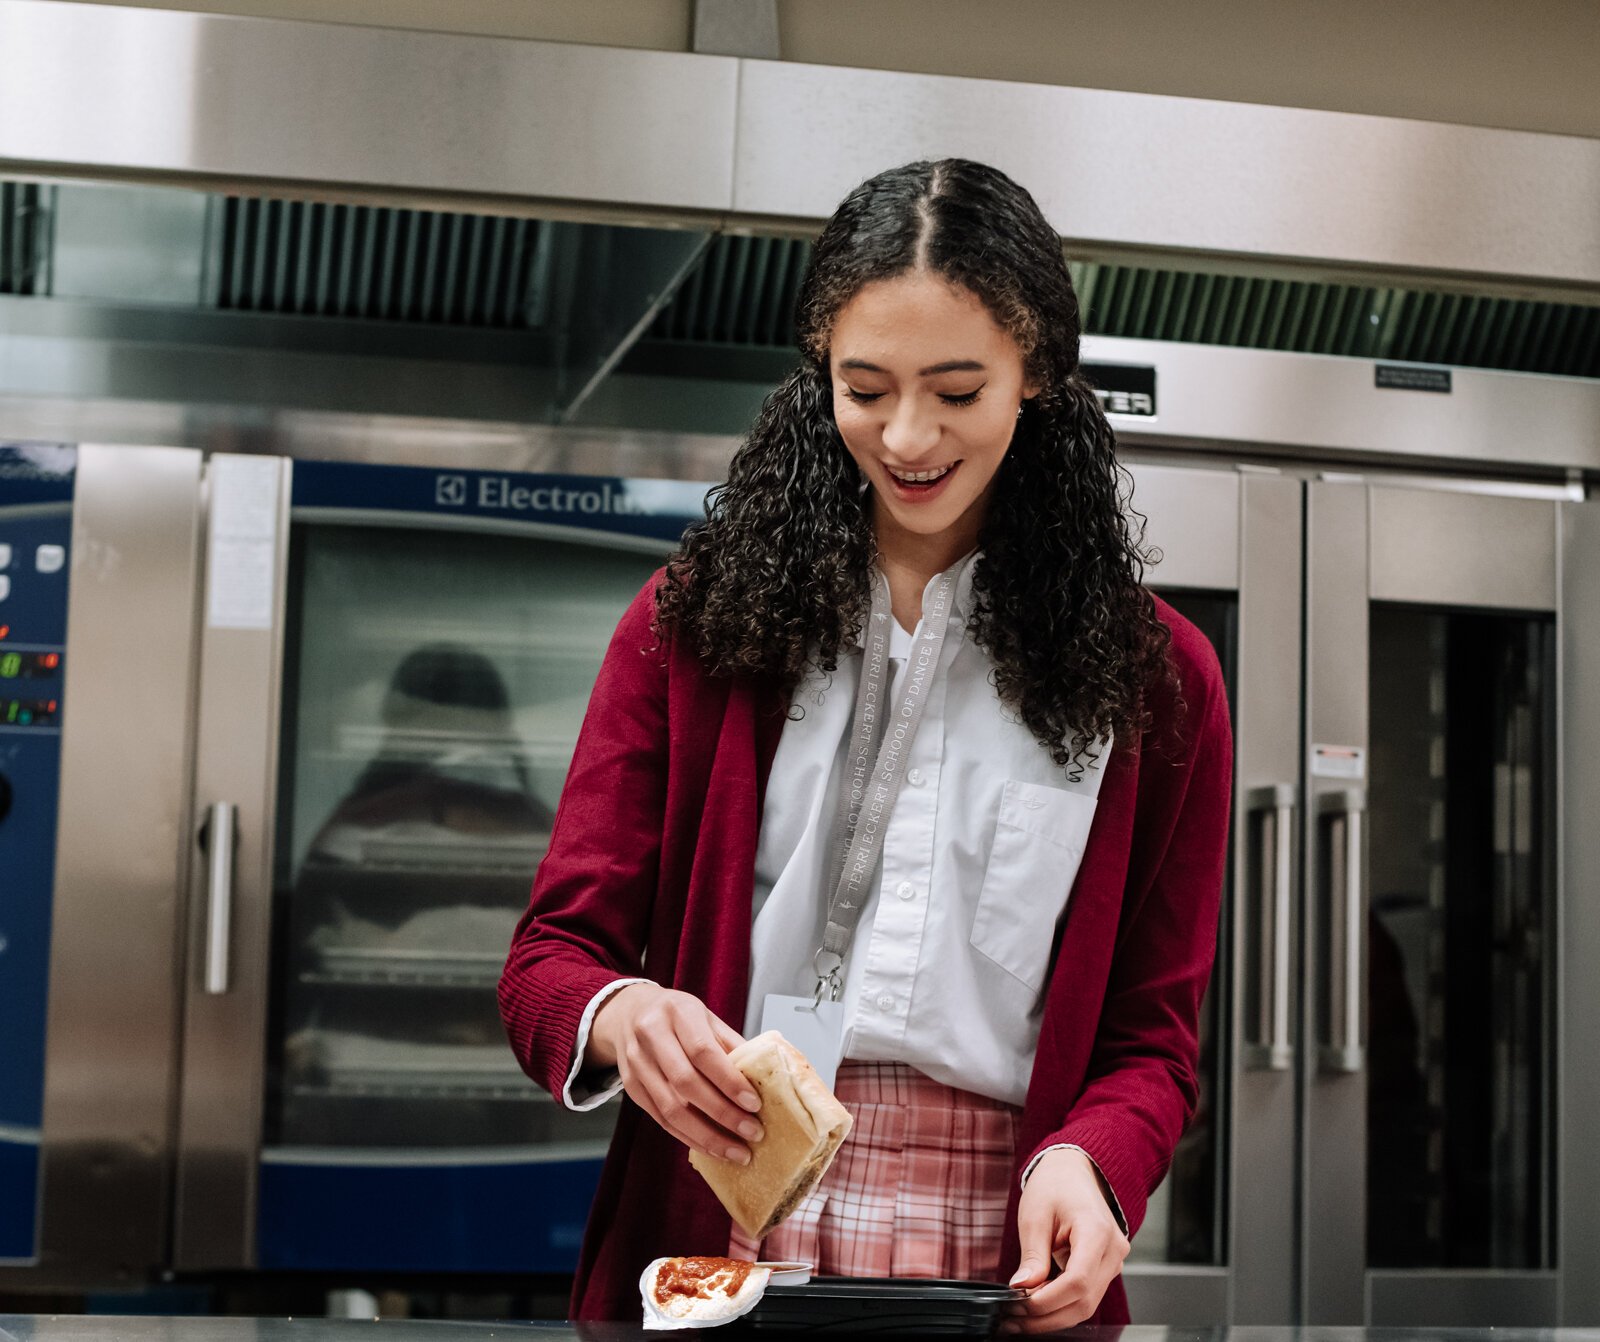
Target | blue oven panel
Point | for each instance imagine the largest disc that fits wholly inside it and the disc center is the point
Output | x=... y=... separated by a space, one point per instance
x=35 y=539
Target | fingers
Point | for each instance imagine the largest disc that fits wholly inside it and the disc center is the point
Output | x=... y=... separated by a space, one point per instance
x=1095 y=1260
x=687 y=1073
x=726 y=1034
x=1035 y=1232
x=685 y=1122
x=674 y=1065
x=706 y=1050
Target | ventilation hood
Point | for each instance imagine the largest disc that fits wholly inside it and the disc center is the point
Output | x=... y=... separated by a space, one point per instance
x=494 y=125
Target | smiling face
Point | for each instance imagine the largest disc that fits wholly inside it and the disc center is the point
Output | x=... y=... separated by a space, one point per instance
x=926 y=387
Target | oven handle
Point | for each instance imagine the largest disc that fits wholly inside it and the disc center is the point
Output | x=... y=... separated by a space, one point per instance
x=220 y=830
x=1273 y=1048
x=1341 y=1050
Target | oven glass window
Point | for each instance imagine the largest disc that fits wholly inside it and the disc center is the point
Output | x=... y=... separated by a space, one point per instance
x=436 y=681
x=1460 y=940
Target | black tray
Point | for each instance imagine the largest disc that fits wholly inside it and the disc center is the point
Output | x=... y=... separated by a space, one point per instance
x=848 y=1306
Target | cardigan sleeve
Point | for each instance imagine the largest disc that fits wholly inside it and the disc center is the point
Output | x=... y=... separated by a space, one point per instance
x=587 y=918
x=1142 y=1082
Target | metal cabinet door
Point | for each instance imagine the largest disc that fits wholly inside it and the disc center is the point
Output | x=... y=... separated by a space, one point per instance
x=1432 y=905
x=128 y=545
x=1217 y=1244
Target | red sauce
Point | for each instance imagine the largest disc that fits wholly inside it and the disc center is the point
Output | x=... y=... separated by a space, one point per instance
x=697 y=1277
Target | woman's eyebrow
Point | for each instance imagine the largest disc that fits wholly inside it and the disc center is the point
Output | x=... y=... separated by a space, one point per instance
x=948 y=366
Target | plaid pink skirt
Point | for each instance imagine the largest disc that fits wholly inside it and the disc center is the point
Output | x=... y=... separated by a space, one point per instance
x=918 y=1189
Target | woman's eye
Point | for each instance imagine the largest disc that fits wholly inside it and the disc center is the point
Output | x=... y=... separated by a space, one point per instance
x=863 y=397
x=966 y=399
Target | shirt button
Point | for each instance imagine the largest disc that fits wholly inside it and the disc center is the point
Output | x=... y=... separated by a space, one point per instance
x=914 y=777
x=885 y=1002
x=905 y=889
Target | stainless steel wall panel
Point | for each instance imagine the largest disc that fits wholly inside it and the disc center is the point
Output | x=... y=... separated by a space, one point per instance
x=1463 y=1299
x=1184 y=174
x=1193 y=1297
x=1323 y=406
x=381 y=439
x=1282 y=405
x=224 y=1021
x=343 y=108
x=1193 y=518
x=1463 y=549
x=112 y=1059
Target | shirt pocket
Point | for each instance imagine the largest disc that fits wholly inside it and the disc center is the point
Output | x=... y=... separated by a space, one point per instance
x=1039 y=838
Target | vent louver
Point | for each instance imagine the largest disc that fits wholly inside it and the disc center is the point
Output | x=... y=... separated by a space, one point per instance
x=489 y=272
x=1403 y=325
x=743 y=295
x=22 y=222
x=382 y=264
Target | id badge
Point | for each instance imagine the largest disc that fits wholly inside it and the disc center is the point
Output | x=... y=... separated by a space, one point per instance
x=815 y=1028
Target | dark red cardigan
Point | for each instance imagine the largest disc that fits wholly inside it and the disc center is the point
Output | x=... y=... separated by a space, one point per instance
x=650 y=872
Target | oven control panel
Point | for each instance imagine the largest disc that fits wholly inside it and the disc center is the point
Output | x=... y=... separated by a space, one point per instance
x=36 y=483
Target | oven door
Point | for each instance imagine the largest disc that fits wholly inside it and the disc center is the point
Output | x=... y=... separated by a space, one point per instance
x=395 y=665
x=1217 y=1242
x=1437 y=939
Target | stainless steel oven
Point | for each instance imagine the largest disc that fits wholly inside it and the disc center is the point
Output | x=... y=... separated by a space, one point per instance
x=1387 y=1131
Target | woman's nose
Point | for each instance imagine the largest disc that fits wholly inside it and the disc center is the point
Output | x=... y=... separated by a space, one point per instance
x=911 y=430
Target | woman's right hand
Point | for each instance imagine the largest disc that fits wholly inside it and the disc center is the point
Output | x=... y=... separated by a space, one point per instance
x=672 y=1052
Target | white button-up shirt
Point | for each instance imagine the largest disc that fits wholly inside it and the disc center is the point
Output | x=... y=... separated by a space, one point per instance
x=979 y=856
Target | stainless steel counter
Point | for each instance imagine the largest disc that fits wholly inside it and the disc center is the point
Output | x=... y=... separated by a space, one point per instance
x=111 y=1328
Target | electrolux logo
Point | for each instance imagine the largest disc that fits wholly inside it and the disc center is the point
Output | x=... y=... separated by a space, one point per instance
x=500 y=493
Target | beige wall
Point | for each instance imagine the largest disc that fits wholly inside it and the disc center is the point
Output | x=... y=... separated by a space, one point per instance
x=1525 y=64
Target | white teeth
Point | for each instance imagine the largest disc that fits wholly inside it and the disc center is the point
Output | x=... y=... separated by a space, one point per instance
x=920 y=477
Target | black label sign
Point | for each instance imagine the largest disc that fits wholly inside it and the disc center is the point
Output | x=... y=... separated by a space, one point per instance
x=1123 y=388
x=1405 y=377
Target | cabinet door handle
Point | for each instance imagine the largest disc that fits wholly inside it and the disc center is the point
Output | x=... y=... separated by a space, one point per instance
x=1339 y=817
x=220 y=829
x=1269 y=815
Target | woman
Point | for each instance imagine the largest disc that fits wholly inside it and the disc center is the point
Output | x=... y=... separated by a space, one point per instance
x=926 y=515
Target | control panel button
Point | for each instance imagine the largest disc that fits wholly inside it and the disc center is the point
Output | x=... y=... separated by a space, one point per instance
x=5 y=587
x=5 y=556
x=50 y=558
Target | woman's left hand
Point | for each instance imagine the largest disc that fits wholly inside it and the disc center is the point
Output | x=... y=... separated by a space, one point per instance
x=1064 y=1221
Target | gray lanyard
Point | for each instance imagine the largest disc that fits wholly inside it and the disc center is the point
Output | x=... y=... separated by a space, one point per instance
x=875 y=770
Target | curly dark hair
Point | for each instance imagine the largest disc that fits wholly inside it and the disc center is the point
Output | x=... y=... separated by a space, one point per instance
x=775 y=580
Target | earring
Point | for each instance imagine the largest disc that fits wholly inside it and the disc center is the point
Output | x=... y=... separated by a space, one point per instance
x=1021 y=406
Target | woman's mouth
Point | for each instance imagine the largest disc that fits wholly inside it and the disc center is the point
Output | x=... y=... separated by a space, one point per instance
x=920 y=486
